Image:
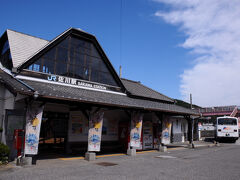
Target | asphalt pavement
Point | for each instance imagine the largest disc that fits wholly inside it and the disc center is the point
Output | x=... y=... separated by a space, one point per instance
x=179 y=163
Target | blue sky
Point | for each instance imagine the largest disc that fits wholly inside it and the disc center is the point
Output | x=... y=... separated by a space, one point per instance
x=168 y=45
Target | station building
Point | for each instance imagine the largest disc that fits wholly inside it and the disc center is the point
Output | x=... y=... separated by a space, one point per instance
x=68 y=98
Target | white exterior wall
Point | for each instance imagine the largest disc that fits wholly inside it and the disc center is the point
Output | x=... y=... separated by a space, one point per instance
x=179 y=127
x=2 y=94
x=7 y=101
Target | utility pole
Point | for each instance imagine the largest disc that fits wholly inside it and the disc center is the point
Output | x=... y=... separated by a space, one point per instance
x=192 y=122
x=120 y=71
x=191 y=100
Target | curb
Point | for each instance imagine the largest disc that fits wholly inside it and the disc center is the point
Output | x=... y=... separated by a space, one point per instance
x=206 y=145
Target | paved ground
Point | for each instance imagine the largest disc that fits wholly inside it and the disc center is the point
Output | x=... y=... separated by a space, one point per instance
x=202 y=163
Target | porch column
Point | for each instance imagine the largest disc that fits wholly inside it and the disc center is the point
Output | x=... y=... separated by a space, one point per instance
x=135 y=133
x=32 y=131
x=190 y=131
x=166 y=132
x=94 y=134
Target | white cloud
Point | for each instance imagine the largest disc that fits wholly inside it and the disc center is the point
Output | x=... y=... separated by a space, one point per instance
x=212 y=29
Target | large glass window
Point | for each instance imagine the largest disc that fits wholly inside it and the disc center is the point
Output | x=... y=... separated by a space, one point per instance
x=5 y=55
x=76 y=58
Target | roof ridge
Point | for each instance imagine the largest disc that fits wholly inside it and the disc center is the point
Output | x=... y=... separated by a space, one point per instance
x=130 y=80
x=27 y=34
x=150 y=89
x=156 y=91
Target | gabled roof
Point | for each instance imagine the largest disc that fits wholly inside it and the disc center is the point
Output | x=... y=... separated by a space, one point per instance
x=61 y=37
x=23 y=46
x=139 y=90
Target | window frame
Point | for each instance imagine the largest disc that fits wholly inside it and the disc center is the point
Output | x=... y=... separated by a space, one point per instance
x=72 y=61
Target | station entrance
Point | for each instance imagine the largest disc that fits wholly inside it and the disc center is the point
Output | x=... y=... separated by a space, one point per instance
x=53 y=134
x=66 y=133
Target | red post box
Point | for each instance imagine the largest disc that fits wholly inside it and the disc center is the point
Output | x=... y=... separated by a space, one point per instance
x=18 y=140
x=124 y=135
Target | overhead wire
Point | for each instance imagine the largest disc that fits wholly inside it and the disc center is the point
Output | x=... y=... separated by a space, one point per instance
x=120 y=34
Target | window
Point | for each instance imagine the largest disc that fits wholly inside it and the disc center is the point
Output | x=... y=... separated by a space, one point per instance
x=36 y=67
x=5 y=47
x=227 y=121
x=61 y=69
x=77 y=58
x=5 y=56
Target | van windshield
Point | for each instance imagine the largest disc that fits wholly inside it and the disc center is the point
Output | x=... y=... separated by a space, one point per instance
x=227 y=121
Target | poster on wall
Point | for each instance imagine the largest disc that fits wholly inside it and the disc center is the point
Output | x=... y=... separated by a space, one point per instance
x=166 y=130
x=136 y=129
x=95 y=131
x=33 y=124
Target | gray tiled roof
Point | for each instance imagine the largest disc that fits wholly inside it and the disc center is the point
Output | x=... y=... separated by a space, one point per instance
x=90 y=96
x=13 y=83
x=23 y=46
x=63 y=92
x=138 y=89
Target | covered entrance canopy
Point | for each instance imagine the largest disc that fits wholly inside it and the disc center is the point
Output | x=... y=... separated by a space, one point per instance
x=67 y=101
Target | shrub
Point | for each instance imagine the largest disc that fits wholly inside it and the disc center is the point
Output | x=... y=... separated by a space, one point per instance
x=4 y=153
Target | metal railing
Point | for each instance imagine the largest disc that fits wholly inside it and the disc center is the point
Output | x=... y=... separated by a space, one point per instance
x=218 y=109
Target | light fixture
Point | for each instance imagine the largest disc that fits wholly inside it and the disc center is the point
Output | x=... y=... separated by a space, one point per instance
x=35 y=94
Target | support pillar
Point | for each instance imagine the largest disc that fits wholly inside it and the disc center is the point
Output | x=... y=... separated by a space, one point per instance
x=26 y=161
x=131 y=152
x=216 y=143
x=94 y=134
x=166 y=133
x=90 y=156
x=32 y=132
x=190 y=131
x=191 y=145
x=162 y=148
x=135 y=132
